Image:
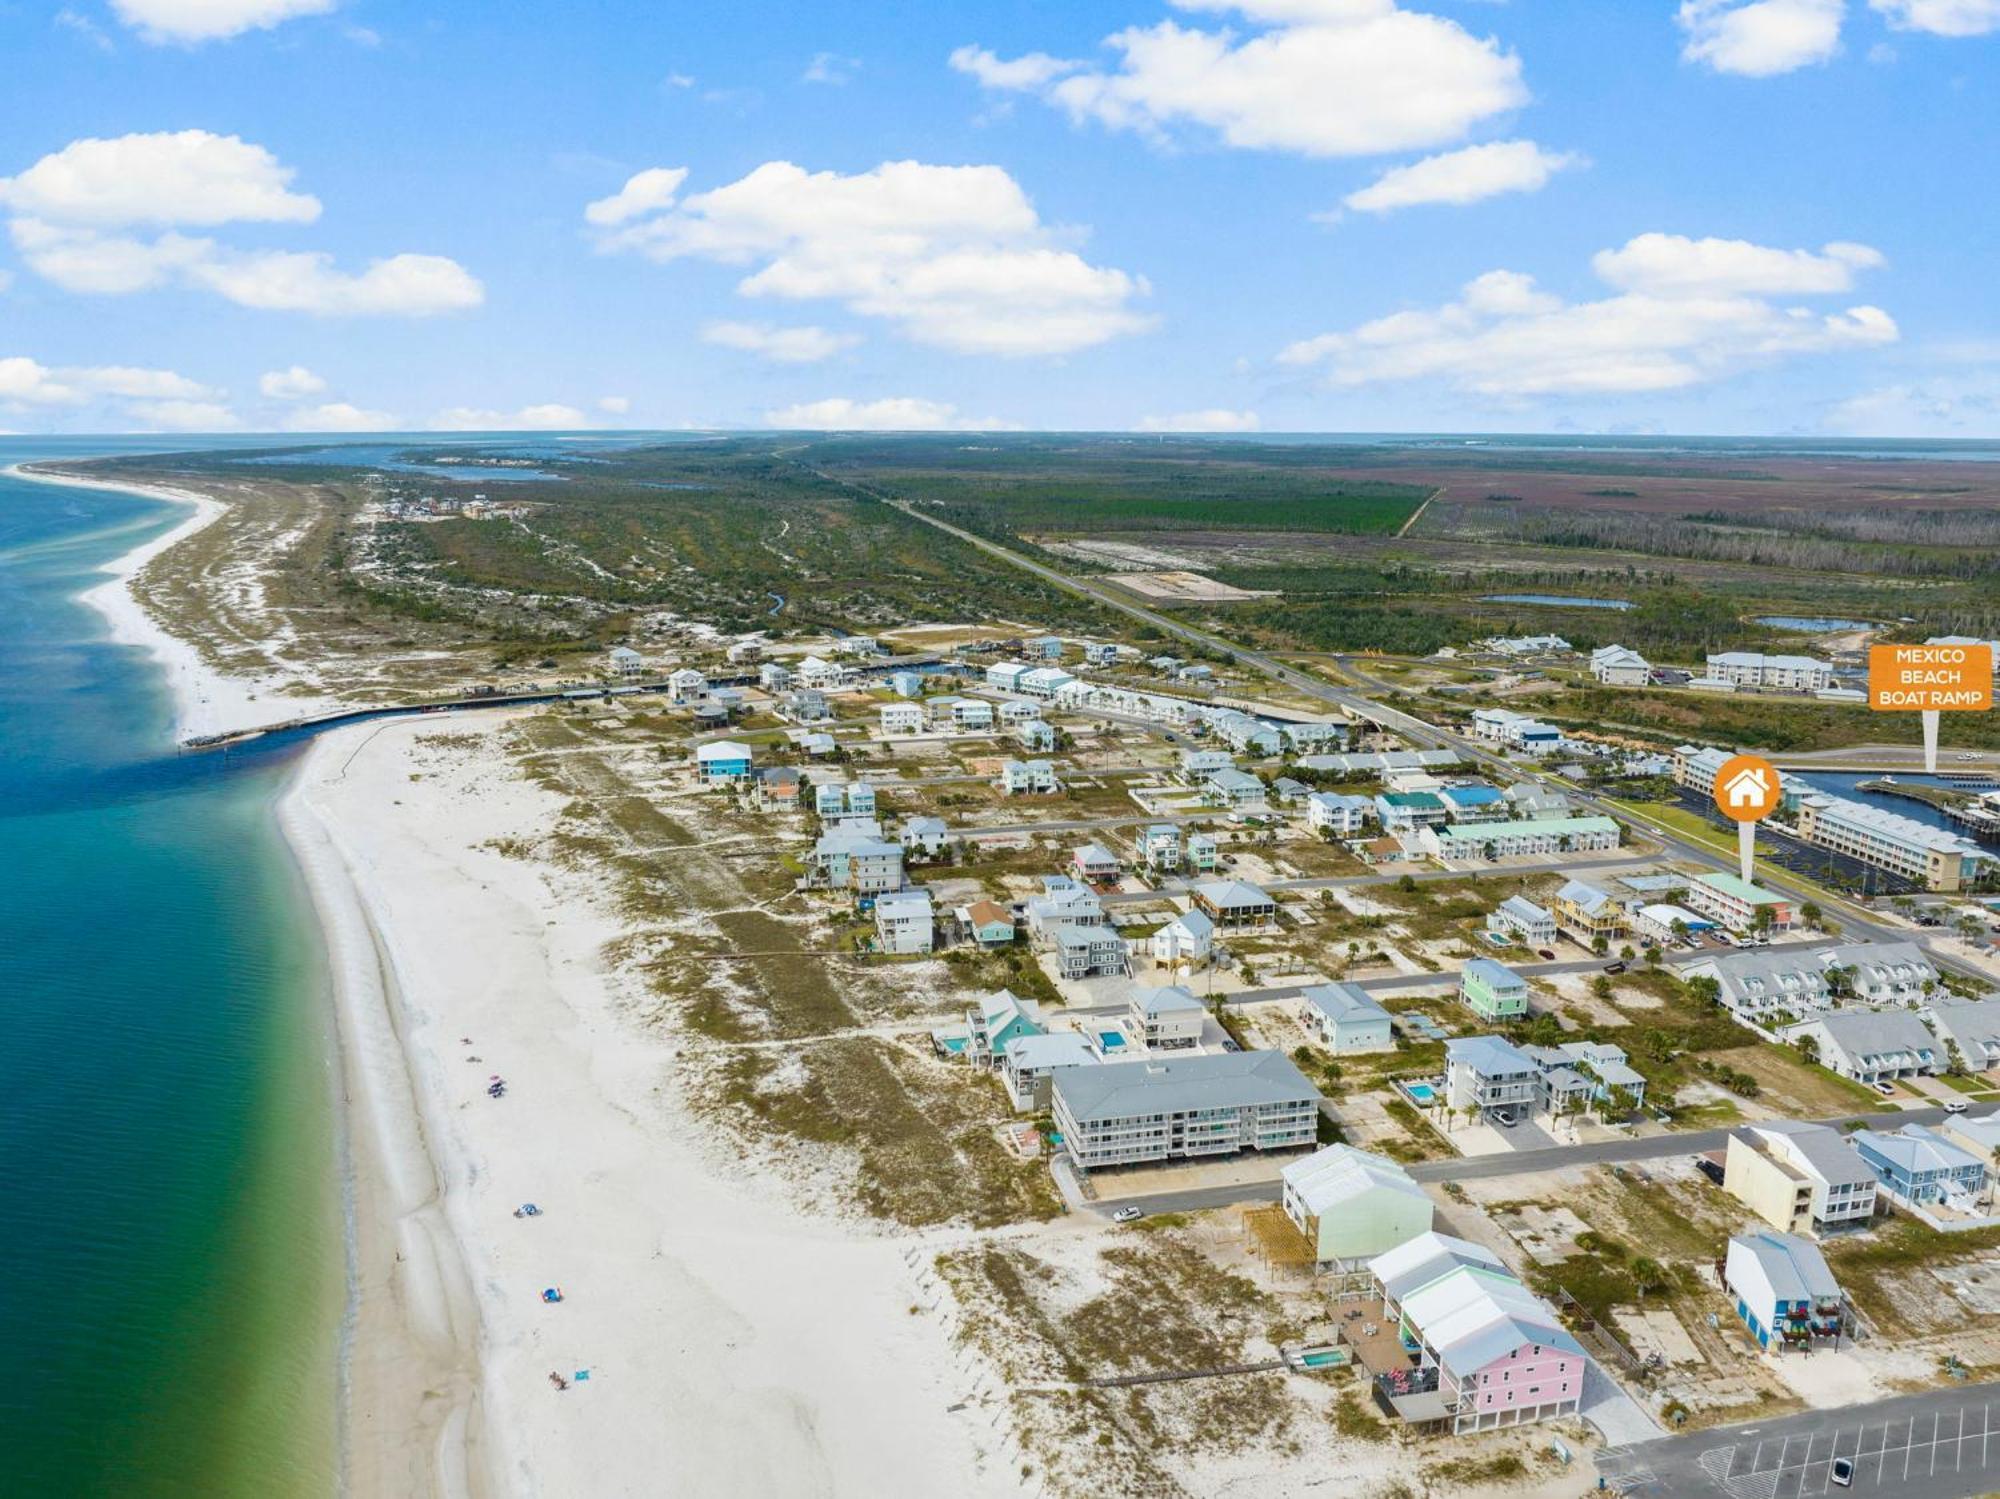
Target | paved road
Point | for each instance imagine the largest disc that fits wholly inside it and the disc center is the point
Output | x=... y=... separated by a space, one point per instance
x=1942 y=1444
x=1511 y=1163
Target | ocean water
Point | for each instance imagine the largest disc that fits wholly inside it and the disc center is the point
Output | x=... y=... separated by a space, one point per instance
x=170 y=1209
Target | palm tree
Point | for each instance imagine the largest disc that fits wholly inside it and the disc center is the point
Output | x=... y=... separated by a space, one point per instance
x=1808 y=1047
x=1647 y=1275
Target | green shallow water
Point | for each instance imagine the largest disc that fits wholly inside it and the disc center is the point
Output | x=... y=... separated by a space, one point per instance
x=170 y=1210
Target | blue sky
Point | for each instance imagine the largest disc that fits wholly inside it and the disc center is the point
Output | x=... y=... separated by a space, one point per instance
x=1706 y=216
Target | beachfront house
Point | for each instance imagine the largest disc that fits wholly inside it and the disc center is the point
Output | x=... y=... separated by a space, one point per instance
x=1493 y=991
x=1352 y=1205
x=779 y=789
x=722 y=762
x=1406 y=811
x=1187 y=939
x=626 y=662
x=857 y=858
x=803 y=705
x=1201 y=1104
x=1921 y=1166
x=905 y=922
x=971 y=715
x=1027 y=1064
x=1870 y=1046
x=1522 y=918
x=687 y=686
x=1784 y=1291
x=997 y=1019
x=906 y=683
x=1490 y=1353
x=1202 y=854
x=1343 y=1019
x=986 y=923
x=1473 y=804
x=1799 y=1177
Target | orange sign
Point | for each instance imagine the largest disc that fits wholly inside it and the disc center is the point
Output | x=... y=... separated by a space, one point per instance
x=1746 y=788
x=1933 y=678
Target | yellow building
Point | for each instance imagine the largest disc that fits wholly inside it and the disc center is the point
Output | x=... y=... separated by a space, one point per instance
x=1587 y=914
x=1799 y=1178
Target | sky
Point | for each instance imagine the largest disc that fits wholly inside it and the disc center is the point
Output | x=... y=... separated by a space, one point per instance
x=1648 y=216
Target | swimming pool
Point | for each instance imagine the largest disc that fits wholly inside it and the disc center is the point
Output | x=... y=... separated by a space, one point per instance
x=1420 y=1093
x=1110 y=1040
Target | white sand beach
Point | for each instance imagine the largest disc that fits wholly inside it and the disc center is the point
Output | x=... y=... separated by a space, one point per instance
x=732 y=1346
x=205 y=701
x=715 y=1341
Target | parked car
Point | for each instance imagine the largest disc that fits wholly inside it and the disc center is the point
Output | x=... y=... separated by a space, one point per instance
x=1887 y=1090
x=1614 y=967
x=1842 y=1473
x=1548 y=953
x=1710 y=1169
x=1955 y=1106
x=1128 y=1215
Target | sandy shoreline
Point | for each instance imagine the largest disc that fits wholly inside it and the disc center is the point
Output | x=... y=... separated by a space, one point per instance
x=733 y=1345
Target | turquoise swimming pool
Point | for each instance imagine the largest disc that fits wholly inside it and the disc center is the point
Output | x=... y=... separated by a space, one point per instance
x=1422 y=1094
x=1110 y=1041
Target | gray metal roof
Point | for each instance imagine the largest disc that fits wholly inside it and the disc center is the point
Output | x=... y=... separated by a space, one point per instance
x=1824 y=1149
x=1223 y=1080
x=1795 y=1268
x=1339 y=1002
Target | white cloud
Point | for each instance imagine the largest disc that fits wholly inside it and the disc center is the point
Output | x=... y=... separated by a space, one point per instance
x=830 y=67
x=806 y=345
x=1674 y=324
x=1762 y=38
x=1463 y=176
x=1031 y=70
x=890 y=414
x=643 y=193
x=1941 y=17
x=1325 y=78
x=339 y=416
x=547 y=417
x=210 y=20
x=306 y=281
x=24 y=381
x=1674 y=265
x=293 y=384
x=75 y=213
x=1957 y=405
x=955 y=257
x=1210 y=419
x=614 y=405
x=184 y=416
x=179 y=177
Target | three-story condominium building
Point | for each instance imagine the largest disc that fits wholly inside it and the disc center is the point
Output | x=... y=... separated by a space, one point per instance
x=1926 y=855
x=1493 y=991
x=1735 y=903
x=1160 y=847
x=1771 y=673
x=1871 y=1046
x=1127 y=1113
x=1970 y=1025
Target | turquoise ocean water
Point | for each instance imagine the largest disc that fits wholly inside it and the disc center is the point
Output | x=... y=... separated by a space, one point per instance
x=170 y=1212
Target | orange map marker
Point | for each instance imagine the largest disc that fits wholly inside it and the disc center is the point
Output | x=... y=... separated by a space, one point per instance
x=1746 y=792
x=1932 y=680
